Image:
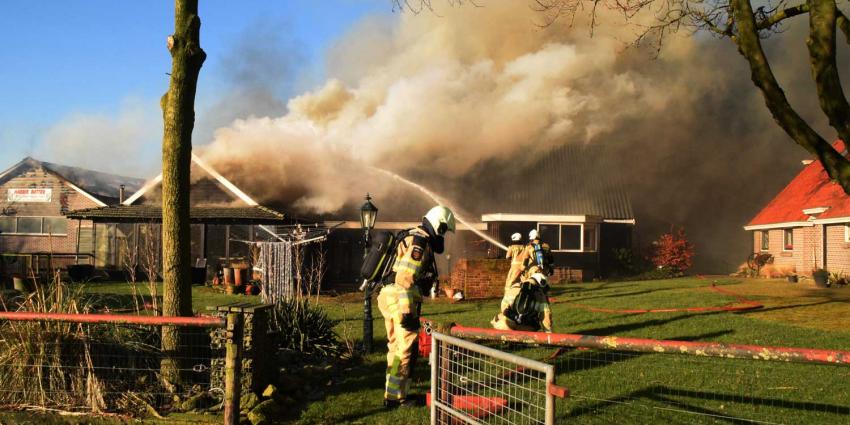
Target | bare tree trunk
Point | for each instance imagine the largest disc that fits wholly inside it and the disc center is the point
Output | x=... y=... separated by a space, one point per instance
x=178 y=112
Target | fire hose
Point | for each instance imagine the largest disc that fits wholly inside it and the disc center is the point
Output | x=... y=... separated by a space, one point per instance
x=742 y=304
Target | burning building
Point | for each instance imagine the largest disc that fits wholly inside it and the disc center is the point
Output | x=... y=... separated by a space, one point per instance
x=578 y=205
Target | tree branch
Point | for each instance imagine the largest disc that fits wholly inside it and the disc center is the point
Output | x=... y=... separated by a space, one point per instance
x=781 y=15
x=821 y=43
x=749 y=45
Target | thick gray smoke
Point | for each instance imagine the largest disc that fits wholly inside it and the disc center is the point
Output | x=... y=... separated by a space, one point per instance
x=434 y=97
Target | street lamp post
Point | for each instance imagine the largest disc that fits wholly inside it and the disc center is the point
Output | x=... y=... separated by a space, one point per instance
x=368 y=214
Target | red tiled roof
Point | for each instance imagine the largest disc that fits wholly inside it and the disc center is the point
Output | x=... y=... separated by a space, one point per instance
x=812 y=188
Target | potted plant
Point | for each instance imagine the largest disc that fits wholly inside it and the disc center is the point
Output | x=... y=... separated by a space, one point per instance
x=821 y=278
x=253 y=287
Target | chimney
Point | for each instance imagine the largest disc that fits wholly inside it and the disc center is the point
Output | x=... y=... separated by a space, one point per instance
x=121 y=194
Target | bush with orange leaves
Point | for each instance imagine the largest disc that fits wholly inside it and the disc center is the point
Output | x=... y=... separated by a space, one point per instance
x=673 y=252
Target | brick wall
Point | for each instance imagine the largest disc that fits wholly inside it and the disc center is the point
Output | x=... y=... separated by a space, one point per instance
x=64 y=198
x=837 y=251
x=807 y=254
x=485 y=278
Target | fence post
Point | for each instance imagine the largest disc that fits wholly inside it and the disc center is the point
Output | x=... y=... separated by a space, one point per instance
x=233 y=368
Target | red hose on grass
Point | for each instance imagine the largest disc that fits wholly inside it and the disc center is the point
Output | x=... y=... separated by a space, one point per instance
x=747 y=305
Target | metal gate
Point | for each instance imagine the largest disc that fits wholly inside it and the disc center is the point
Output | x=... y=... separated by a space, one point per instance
x=474 y=384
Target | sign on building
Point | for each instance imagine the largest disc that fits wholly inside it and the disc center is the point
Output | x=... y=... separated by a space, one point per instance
x=30 y=195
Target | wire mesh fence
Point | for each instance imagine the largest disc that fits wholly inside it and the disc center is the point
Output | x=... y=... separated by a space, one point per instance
x=624 y=387
x=629 y=387
x=107 y=365
x=475 y=384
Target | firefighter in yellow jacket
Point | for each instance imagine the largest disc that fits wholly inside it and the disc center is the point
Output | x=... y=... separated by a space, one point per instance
x=516 y=254
x=400 y=301
x=537 y=256
x=525 y=306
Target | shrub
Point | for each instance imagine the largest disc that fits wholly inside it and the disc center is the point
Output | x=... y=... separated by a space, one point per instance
x=70 y=365
x=306 y=328
x=673 y=252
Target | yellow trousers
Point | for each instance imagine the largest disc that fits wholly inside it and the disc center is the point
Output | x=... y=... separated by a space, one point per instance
x=402 y=349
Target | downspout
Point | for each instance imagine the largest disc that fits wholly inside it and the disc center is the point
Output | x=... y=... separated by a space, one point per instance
x=823 y=245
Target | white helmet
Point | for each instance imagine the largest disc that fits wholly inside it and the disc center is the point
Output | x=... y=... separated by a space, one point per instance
x=540 y=278
x=441 y=215
x=516 y=237
x=532 y=235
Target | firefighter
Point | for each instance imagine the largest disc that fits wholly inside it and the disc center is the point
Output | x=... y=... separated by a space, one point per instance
x=400 y=300
x=515 y=254
x=537 y=256
x=525 y=306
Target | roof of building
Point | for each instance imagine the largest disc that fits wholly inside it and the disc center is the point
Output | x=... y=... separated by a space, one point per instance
x=209 y=215
x=811 y=189
x=103 y=186
x=570 y=180
x=209 y=184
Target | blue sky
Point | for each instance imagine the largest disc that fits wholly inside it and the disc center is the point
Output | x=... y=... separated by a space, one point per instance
x=65 y=59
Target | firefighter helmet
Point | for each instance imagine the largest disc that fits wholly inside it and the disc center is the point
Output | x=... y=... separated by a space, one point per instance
x=442 y=219
x=532 y=235
x=541 y=279
x=516 y=237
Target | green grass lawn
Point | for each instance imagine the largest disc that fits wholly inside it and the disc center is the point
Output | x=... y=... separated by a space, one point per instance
x=616 y=387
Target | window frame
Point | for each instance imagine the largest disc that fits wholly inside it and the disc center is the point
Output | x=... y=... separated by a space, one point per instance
x=582 y=228
x=846 y=232
x=785 y=246
x=42 y=233
x=765 y=241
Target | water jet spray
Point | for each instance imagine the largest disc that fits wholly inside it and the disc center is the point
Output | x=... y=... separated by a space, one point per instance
x=440 y=201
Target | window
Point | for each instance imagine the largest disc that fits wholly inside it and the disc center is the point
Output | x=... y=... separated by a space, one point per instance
x=590 y=237
x=847 y=233
x=788 y=238
x=31 y=225
x=569 y=237
x=550 y=233
x=8 y=224
x=55 y=225
x=34 y=225
x=765 y=240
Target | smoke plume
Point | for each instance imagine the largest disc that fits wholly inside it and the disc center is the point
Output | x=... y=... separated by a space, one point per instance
x=434 y=96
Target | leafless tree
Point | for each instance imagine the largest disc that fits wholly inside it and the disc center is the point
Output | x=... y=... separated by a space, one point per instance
x=130 y=262
x=150 y=262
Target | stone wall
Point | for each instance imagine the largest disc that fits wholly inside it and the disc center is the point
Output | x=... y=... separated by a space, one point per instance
x=258 y=352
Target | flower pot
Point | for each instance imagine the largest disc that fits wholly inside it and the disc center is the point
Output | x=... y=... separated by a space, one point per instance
x=821 y=278
x=450 y=292
x=238 y=276
x=228 y=275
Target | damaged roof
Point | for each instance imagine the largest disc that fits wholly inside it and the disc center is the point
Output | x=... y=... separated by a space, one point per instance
x=209 y=215
x=103 y=186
